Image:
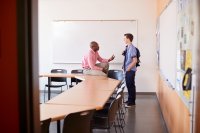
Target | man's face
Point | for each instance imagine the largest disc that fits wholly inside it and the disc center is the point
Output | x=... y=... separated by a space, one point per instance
x=125 y=40
x=95 y=48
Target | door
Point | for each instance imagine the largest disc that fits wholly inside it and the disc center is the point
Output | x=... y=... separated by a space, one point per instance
x=19 y=66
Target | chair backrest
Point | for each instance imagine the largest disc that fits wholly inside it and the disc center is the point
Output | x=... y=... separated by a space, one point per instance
x=78 y=122
x=78 y=71
x=44 y=125
x=58 y=79
x=113 y=111
x=116 y=74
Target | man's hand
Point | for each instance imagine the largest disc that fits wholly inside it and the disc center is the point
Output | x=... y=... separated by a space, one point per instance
x=111 y=58
x=124 y=52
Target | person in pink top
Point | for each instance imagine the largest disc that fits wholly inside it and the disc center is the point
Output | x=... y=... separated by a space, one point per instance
x=89 y=61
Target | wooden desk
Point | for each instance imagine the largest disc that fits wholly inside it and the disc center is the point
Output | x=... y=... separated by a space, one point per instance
x=90 y=81
x=58 y=112
x=94 y=98
x=92 y=93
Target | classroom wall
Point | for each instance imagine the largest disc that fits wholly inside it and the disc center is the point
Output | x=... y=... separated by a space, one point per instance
x=146 y=14
x=161 y=5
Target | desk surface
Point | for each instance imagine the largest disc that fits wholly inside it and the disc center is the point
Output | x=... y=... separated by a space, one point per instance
x=94 y=98
x=58 y=112
x=92 y=93
x=72 y=75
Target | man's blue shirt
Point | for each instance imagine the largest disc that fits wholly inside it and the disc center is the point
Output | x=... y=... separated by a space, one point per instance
x=130 y=54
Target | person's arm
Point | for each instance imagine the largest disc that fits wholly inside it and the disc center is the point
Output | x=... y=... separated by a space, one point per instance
x=132 y=64
x=100 y=59
x=92 y=62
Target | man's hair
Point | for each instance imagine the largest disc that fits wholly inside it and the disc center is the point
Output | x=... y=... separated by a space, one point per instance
x=93 y=43
x=129 y=36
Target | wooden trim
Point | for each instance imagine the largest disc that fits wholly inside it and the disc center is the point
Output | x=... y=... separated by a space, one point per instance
x=27 y=41
x=176 y=114
x=196 y=117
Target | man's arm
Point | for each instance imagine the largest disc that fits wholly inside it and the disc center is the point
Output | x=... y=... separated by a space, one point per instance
x=132 y=64
x=100 y=59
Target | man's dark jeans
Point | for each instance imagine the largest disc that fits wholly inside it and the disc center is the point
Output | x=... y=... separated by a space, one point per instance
x=130 y=83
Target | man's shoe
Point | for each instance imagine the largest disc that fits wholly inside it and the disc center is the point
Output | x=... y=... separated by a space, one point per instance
x=126 y=102
x=128 y=105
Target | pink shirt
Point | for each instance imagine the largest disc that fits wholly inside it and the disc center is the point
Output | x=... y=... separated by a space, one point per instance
x=90 y=60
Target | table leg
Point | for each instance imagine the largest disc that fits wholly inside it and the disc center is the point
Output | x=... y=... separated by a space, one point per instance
x=58 y=126
x=49 y=92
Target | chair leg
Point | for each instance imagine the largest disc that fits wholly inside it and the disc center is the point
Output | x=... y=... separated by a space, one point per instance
x=119 y=123
x=67 y=86
x=115 y=127
x=121 y=119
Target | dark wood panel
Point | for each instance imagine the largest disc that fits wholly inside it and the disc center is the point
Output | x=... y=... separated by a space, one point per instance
x=8 y=65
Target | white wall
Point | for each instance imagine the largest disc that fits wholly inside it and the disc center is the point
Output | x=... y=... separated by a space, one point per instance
x=142 y=10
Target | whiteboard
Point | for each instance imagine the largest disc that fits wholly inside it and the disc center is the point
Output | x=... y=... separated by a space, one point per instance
x=168 y=39
x=71 y=39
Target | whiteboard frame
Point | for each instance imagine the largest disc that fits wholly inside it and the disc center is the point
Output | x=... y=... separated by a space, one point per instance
x=68 y=20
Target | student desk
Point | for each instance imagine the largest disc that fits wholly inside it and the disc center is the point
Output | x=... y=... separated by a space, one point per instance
x=92 y=93
x=82 y=97
x=58 y=112
x=78 y=76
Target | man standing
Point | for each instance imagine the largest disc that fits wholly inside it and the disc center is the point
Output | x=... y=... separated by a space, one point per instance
x=130 y=60
x=89 y=61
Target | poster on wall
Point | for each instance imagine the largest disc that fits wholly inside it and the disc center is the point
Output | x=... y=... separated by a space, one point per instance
x=185 y=32
x=158 y=41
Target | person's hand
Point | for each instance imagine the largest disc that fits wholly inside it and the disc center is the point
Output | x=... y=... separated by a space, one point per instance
x=111 y=58
x=123 y=53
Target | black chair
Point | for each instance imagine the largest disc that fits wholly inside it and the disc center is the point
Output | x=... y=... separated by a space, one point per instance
x=121 y=107
x=79 y=122
x=116 y=74
x=57 y=82
x=74 y=80
x=106 y=119
x=44 y=125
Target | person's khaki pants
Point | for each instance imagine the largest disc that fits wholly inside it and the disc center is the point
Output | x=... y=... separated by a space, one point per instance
x=97 y=72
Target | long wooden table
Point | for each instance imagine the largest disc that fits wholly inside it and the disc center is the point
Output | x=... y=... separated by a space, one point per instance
x=78 y=76
x=92 y=93
x=58 y=112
